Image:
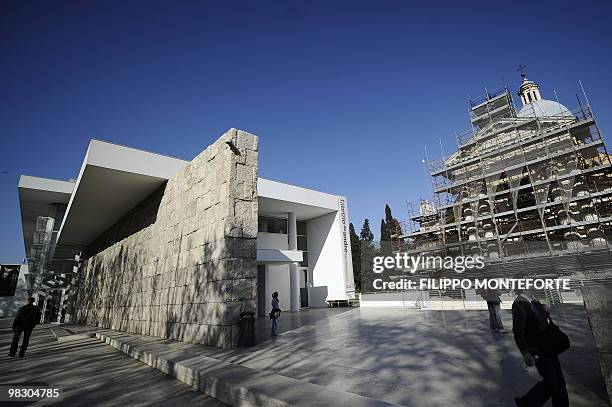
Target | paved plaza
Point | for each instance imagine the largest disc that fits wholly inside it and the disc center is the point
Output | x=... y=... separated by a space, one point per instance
x=92 y=373
x=425 y=358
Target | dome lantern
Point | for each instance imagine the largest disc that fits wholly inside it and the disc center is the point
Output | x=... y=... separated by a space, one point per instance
x=534 y=105
x=529 y=90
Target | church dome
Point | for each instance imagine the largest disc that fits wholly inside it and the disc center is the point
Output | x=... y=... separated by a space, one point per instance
x=544 y=108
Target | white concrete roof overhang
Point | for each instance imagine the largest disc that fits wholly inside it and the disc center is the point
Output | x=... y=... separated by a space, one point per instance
x=277 y=199
x=113 y=180
x=36 y=195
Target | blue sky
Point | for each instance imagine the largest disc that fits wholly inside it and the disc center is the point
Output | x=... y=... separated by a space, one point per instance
x=344 y=95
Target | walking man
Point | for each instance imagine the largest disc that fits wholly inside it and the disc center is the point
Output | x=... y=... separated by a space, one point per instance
x=493 y=303
x=529 y=323
x=26 y=319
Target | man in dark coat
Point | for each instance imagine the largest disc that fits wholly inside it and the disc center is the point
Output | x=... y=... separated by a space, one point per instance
x=529 y=317
x=494 y=304
x=26 y=319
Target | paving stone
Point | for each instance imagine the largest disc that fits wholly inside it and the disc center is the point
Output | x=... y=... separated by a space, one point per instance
x=233 y=384
x=91 y=373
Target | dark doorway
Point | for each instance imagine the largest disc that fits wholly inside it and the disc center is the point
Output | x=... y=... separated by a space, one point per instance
x=261 y=290
x=304 y=290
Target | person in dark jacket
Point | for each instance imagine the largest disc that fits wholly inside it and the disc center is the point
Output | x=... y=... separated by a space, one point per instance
x=26 y=319
x=529 y=319
x=494 y=304
x=275 y=313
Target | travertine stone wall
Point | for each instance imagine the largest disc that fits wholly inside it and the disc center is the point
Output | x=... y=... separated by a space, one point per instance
x=181 y=264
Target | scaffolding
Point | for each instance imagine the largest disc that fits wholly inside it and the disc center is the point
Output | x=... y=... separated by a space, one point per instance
x=528 y=191
x=532 y=183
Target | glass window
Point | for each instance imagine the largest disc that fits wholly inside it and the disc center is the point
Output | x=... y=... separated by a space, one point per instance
x=272 y=225
x=302 y=243
x=304 y=263
x=301 y=228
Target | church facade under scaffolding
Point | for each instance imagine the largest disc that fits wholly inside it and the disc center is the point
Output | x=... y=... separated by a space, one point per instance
x=522 y=183
x=529 y=190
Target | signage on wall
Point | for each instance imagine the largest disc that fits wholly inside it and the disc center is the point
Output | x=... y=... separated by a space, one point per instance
x=345 y=243
x=343 y=221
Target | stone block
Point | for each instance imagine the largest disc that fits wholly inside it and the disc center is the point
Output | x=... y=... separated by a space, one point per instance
x=246 y=140
x=197 y=238
x=244 y=223
x=178 y=295
x=183 y=259
x=216 y=270
x=181 y=277
x=157 y=329
x=190 y=223
x=239 y=289
x=241 y=247
x=189 y=295
x=223 y=336
x=191 y=332
x=197 y=256
x=251 y=158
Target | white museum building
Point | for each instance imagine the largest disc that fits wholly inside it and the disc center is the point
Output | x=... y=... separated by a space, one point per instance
x=302 y=239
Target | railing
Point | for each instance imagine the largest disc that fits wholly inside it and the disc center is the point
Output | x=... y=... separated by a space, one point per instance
x=464 y=136
x=490 y=94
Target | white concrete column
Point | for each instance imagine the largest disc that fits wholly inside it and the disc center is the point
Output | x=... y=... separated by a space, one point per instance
x=294 y=271
x=292 y=230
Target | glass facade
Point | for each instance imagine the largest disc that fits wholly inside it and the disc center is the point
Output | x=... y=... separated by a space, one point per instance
x=272 y=225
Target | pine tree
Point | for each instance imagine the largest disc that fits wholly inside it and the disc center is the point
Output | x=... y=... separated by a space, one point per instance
x=356 y=256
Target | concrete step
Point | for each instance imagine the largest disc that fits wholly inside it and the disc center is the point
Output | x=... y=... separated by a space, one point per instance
x=232 y=384
x=66 y=334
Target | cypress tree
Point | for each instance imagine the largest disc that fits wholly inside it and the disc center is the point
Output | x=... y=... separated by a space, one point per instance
x=388 y=214
x=356 y=256
x=385 y=233
x=393 y=226
x=368 y=252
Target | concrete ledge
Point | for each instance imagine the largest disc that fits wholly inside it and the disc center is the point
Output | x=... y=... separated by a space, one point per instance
x=233 y=384
x=63 y=334
x=279 y=256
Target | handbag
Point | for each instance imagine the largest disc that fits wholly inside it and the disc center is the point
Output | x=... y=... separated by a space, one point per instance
x=552 y=341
